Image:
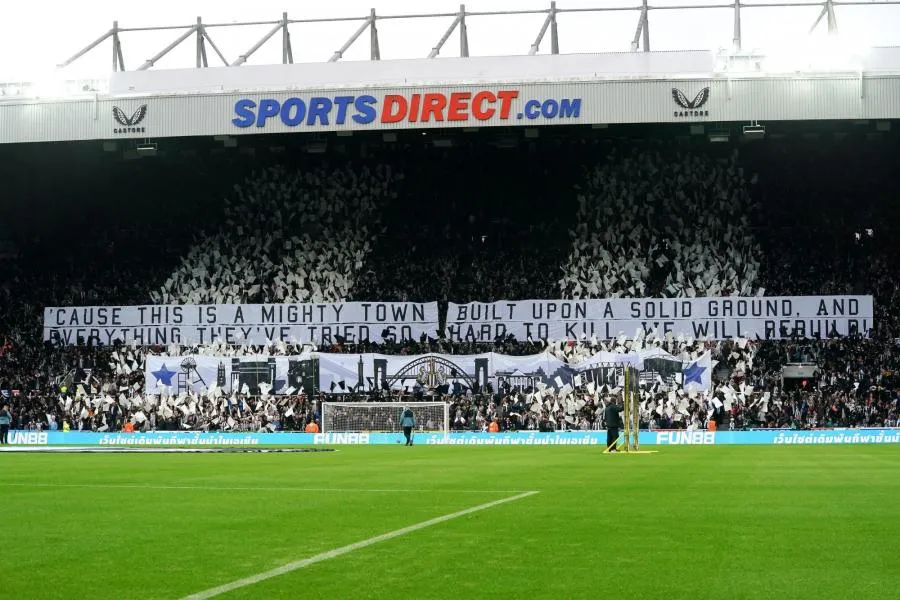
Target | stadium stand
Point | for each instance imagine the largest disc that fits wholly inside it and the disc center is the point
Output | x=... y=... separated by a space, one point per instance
x=289 y=236
x=657 y=222
x=609 y=218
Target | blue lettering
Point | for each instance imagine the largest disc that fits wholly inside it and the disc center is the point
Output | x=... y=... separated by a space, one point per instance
x=319 y=107
x=244 y=110
x=549 y=109
x=268 y=108
x=569 y=109
x=293 y=111
x=365 y=107
x=532 y=109
x=342 y=103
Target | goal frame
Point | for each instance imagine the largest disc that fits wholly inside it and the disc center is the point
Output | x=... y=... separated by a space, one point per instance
x=444 y=405
x=631 y=396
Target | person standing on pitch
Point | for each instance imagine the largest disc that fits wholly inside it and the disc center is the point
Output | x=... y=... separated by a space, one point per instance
x=407 y=422
x=5 y=420
x=611 y=416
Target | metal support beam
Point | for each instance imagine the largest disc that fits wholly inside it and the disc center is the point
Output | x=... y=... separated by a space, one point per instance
x=437 y=49
x=152 y=61
x=91 y=46
x=201 y=47
x=340 y=53
x=463 y=33
x=736 y=41
x=554 y=32
x=374 y=48
x=548 y=22
x=645 y=14
x=118 y=61
x=287 y=53
x=243 y=57
x=832 y=20
x=214 y=47
x=819 y=19
x=636 y=40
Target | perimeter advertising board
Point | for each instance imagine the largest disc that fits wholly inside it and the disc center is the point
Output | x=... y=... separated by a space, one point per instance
x=523 y=438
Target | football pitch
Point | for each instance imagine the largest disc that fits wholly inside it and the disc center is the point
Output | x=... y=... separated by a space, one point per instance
x=454 y=522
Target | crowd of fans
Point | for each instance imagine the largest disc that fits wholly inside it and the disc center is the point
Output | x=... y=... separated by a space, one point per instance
x=288 y=236
x=580 y=219
x=657 y=222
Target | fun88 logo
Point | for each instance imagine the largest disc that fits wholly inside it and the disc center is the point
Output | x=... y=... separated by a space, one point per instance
x=28 y=438
x=685 y=437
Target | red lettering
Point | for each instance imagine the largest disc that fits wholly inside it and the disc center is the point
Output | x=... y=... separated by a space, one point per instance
x=433 y=104
x=506 y=98
x=414 y=107
x=478 y=109
x=459 y=104
x=394 y=109
x=459 y=107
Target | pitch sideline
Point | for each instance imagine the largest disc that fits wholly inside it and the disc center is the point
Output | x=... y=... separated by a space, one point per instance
x=301 y=564
x=213 y=488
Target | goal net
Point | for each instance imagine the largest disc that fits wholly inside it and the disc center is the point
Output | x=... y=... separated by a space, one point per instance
x=383 y=417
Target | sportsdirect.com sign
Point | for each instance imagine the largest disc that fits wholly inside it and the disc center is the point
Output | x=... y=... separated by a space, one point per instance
x=435 y=108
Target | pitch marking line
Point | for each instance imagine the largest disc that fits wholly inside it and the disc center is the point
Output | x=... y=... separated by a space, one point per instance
x=306 y=562
x=254 y=489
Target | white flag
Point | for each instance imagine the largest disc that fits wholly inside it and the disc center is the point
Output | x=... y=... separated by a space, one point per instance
x=698 y=374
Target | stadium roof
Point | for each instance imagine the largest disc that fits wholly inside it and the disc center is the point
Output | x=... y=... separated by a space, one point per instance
x=821 y=79
x=547 y=37
x=457 y=24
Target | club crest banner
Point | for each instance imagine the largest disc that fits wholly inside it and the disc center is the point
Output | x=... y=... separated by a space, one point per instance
x=242 y=324
x=765 y=318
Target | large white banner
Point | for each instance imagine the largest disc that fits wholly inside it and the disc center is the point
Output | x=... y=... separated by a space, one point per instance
x=242 y=324
x=239 y=374
x=700 y=318
x=346 y=373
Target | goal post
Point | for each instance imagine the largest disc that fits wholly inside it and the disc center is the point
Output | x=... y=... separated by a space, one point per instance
x=631 y=396
x=384 y=417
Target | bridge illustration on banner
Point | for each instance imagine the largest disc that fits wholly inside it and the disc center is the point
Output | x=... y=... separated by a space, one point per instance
x=433 y=371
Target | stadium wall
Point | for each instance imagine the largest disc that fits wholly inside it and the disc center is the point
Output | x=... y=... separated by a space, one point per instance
x=685 y=100
x=585 y=438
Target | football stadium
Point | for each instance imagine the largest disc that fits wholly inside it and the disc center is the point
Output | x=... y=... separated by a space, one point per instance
x=451 y=324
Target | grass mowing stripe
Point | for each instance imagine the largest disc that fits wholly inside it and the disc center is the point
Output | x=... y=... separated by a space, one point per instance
x=300 y=564
x=126 y=486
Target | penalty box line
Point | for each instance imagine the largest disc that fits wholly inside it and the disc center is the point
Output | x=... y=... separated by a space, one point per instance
x=212 y=488
x=306 y=562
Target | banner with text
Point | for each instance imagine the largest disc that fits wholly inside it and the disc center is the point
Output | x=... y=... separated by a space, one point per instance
x=241 y=324
x=768 y=318
x=186 y=439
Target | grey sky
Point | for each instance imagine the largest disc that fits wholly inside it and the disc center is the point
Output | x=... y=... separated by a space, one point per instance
x=35 y=36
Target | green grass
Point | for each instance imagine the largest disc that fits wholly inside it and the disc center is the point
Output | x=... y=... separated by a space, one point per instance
x=689 y=522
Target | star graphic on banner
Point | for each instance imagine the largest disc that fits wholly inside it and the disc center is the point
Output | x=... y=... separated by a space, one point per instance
x=164 y=375
x=694 y=373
